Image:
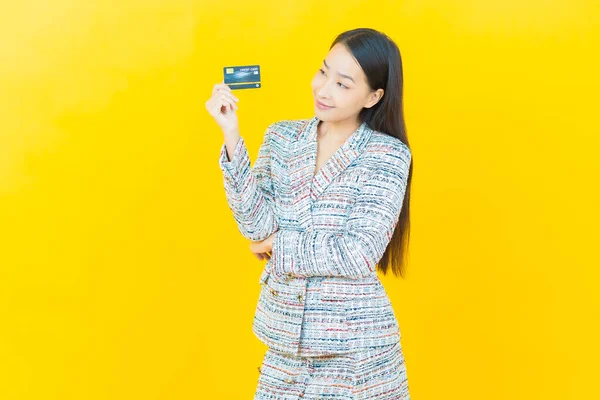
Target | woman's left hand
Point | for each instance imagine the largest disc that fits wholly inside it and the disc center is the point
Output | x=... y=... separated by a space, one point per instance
x=260 y=248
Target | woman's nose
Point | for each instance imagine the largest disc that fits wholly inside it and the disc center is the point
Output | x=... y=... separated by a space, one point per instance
x=323 y=92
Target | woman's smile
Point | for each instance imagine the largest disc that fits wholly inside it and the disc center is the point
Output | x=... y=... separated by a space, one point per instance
x=322 y=106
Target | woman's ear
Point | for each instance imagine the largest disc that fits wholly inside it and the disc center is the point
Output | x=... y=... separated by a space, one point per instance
x=374 y=98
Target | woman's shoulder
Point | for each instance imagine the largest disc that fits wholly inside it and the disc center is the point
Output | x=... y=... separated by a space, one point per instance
x=289 y=128
x=385 y=147
x=292 y=123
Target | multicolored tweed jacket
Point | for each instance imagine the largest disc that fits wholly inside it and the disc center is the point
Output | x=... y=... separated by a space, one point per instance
x=320 y=291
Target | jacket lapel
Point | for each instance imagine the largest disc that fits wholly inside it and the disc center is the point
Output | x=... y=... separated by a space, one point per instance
x=302 y=160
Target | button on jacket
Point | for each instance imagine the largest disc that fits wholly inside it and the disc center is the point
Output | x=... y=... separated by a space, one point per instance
x=320 y=291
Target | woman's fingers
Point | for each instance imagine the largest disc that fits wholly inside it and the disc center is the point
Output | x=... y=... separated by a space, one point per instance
x=227 y=100
x=222 y=106
x=222 y=102
x=216 y=108
x=229 y=104
x=221 y=86
x=230 y=95
x=262 y=256
x=222 y=97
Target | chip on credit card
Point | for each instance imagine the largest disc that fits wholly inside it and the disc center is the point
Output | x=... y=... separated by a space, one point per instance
x=242 y=76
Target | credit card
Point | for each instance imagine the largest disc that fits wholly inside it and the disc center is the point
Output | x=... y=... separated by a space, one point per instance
x=242 y=76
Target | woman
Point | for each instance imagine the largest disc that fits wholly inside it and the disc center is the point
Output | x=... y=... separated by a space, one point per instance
x=325 y=203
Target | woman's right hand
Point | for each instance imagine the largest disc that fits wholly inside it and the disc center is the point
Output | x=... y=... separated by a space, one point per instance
x=221 y=106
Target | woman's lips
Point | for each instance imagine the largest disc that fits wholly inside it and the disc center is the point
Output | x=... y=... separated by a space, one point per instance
x=322 y=106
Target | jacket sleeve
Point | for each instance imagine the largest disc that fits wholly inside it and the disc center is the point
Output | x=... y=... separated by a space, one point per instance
x=355 y=252
x=249 y=190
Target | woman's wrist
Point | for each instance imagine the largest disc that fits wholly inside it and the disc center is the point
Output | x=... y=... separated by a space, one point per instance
x=233 y=133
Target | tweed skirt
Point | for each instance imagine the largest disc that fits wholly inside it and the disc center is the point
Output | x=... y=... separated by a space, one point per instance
x=371 y=373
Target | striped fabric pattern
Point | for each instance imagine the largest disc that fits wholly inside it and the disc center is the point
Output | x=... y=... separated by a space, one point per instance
x=320 y=291
x=373 y=373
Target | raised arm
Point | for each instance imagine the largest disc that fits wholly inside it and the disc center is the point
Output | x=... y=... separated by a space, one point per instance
x=249 y=190
x=355 y=252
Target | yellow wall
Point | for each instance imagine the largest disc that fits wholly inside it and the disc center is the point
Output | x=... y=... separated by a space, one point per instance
x=122 y=273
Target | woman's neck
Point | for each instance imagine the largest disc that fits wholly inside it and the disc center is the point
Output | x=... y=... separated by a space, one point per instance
x=337 y=131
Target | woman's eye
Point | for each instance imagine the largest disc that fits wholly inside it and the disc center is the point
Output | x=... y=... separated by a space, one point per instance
x=323 y=73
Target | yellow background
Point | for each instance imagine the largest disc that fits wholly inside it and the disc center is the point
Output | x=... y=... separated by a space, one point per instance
x=123 y=275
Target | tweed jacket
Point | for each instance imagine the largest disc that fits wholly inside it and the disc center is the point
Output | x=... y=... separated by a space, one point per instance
x=320 y=293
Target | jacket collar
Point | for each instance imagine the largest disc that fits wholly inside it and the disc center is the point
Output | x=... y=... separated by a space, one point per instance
x=302 y=159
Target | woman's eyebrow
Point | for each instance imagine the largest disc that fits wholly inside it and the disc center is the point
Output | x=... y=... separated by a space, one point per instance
x=340 y=74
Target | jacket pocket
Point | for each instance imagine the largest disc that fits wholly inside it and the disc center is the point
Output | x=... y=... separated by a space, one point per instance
x=339 y=289
x=365 y=302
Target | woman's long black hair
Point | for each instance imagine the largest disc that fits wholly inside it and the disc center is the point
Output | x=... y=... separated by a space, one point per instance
x=379 y=58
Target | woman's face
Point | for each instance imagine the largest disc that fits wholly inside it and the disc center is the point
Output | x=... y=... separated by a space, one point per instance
x=341 y=84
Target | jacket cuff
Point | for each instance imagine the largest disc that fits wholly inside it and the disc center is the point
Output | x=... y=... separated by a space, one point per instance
x=283 y=251
x=234 y=170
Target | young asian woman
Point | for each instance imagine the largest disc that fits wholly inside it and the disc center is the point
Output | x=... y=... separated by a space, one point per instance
x=326 y=203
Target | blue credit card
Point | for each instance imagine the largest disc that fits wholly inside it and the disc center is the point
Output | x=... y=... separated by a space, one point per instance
x=242 y=76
